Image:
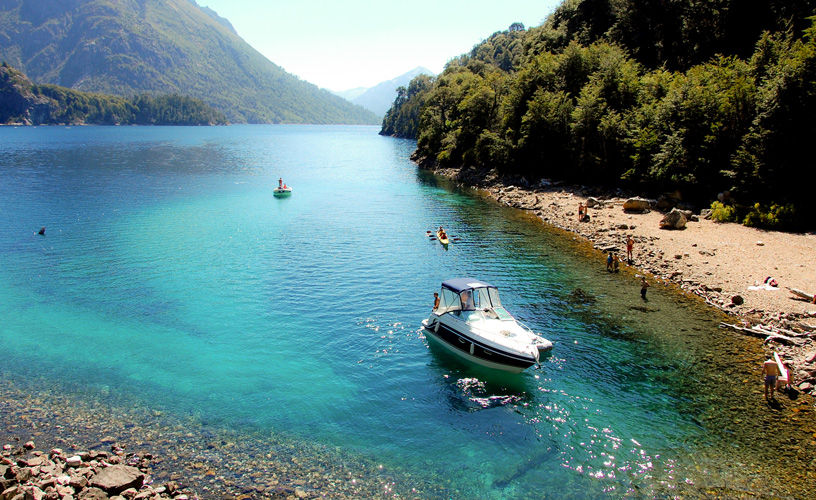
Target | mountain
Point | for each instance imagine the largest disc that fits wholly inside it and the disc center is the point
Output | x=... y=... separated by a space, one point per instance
x=380 y=97
x=160 y=47
x=351 y=94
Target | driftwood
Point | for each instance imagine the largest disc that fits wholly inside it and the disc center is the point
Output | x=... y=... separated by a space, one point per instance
x=761 y=333
x=801 y=294
x=777 y=330
x=714 y=304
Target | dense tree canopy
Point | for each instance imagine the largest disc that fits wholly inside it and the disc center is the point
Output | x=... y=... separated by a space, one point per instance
x=697 y=98
x=26 y=103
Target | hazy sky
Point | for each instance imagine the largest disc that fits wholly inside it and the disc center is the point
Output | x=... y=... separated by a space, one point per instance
x=359 y=43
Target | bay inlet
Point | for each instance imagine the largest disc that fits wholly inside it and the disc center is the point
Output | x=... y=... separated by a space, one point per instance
x=260 y=345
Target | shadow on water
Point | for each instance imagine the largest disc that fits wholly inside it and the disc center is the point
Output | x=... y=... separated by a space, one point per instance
x=540 y=459
x=473 y=387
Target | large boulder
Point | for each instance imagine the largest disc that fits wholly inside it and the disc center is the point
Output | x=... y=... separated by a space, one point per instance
x=674 y=220
x=117 y=478
x=640 y=205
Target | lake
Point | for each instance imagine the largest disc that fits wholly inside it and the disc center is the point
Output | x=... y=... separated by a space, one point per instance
x=171 y=281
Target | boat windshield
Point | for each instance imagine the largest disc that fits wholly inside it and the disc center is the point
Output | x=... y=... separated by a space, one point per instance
x=448 y=301
x=502 y=313
x=470 y=299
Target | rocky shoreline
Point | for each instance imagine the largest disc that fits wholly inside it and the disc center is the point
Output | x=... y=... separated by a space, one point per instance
x=29 y=474
x=718 y=263
x=49 y=433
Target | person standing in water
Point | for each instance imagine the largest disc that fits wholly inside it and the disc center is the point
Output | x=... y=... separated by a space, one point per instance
x=643 y=286
x=771 y=373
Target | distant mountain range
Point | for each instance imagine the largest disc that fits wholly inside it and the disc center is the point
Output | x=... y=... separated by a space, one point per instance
x=381 y=96
x=160 y=47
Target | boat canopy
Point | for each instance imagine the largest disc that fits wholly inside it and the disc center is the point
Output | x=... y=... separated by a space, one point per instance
x=459 y=284
x=467 y=294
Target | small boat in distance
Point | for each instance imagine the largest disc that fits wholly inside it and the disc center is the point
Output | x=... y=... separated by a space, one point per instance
x=282 y=190
x=471 y=322
x=442 y=237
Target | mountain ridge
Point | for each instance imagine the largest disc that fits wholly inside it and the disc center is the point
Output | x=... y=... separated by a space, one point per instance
x=378 y=99
x=160 y=46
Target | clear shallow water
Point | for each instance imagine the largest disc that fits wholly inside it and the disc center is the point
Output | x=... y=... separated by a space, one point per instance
x=169 y=273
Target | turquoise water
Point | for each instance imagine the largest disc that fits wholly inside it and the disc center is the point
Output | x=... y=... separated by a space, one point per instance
x=169 y=273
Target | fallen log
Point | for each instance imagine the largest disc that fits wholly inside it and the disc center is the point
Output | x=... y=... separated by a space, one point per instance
x=789 y=333
x=801 y=294
x=760 y=333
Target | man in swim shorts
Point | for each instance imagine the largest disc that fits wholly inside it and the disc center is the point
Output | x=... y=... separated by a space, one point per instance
x=771 y=373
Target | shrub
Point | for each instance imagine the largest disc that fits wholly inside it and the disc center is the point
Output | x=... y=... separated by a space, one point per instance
x=723 y=213
x=773 y=217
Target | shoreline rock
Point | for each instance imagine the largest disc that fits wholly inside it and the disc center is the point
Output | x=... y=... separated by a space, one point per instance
x=28 y=474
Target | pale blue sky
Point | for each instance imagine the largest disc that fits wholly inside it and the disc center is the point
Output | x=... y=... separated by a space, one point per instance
x=360 y=43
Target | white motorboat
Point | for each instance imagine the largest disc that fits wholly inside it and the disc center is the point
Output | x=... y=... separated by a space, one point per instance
x=471 y=322
x=282 y=192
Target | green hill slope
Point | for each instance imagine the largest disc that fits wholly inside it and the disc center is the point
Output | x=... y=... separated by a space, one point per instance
x=22 y=102
x=160 y=47
x=699 y=101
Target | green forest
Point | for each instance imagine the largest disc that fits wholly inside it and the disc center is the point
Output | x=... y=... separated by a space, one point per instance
x=22 y=102
x=712 y=101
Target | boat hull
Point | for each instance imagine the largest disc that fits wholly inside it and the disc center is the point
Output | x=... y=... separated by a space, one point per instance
x=281 y=193
x=476 y=351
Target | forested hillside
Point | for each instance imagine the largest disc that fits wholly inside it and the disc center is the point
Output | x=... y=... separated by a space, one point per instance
x=24 y=103
x=154 y=47
x=691 y=97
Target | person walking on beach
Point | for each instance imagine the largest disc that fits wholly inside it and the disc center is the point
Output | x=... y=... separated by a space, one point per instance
x=630 y=244
x=615 y=262
x=609 y=262
x=771 y=373
x=643 y=286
